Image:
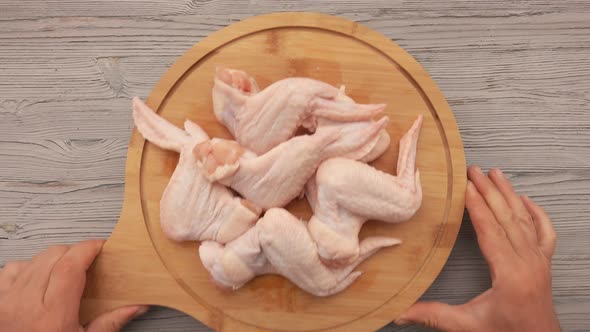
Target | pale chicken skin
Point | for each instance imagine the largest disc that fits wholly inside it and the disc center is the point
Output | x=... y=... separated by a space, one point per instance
x=192 y=207
x=261 y=120
x=280 y=244
x=367 y=153
x=275 y=178
x=346 y=193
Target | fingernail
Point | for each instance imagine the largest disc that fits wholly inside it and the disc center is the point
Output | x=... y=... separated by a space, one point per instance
x=500 y=173
x=141 y=310
x=477 y=169
x=401 y=321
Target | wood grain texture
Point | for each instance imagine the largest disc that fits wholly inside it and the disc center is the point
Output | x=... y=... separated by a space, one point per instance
x=515 y=75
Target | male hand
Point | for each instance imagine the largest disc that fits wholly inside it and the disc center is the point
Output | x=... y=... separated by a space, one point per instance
x=44 y=294
x=517 y=240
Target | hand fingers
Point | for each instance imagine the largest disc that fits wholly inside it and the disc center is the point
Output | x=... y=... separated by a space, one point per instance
x=114 y=320
x=438 y=316
x=491 y=237
x=68 y=276
x=545 y=233
x=520 y=212
x=37 y=274
x=10 y=273
x=500 y=209
x=505 y=188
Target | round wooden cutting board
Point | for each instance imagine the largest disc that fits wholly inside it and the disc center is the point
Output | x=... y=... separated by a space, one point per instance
x=139 y=265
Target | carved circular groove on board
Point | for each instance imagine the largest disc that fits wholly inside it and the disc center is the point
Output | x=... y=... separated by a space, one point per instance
x=375 y=70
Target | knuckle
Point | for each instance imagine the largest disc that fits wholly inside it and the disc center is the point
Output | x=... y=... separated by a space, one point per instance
x=431 y=322
x=525 y=219
x=519 y=218
x=512 y=215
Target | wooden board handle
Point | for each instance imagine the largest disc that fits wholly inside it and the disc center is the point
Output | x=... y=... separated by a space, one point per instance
x=118 y=277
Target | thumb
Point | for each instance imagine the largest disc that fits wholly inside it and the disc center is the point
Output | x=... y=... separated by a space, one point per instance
x=113 y=321
x=436 y=315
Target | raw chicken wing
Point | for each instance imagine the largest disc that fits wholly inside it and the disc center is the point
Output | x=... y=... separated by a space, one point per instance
x=278 y=176
x=192 y=207
x=346 y=193
x=280 y=244
x=261 y=120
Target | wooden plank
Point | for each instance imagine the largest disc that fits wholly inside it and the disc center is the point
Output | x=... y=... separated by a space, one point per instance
x=170 y=35
x=412 y=8
x=515 y=74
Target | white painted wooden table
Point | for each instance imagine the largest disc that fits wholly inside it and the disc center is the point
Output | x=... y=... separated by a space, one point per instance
x=516 y=74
